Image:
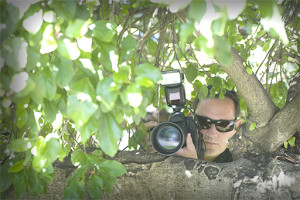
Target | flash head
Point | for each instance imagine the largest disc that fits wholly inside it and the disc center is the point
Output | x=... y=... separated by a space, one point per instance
x=172 y=77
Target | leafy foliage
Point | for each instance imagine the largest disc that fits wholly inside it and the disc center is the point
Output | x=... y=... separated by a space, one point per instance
x=74 y=74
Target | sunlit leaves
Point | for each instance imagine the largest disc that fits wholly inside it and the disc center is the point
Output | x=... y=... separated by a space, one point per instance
x=11 y=18
x=45 y=153
x=48 y=43
x=191 y=72
x=77 y=28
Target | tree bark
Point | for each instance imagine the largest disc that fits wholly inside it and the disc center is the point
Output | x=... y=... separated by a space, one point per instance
x=152 y=176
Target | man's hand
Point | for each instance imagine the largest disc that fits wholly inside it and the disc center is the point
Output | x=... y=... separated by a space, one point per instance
x=189 y=150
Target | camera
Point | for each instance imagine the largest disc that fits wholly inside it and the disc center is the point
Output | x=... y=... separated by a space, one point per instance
x=168 y=137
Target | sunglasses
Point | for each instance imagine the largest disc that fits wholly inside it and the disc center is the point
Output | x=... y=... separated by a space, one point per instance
x=221 y=125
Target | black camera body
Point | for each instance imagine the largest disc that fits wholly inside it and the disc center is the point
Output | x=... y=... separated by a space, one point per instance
x=168 y=137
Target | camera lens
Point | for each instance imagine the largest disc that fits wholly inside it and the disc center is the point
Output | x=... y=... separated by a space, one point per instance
x=167 y=138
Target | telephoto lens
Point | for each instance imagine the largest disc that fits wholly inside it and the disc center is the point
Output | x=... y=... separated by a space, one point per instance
x=167 y=138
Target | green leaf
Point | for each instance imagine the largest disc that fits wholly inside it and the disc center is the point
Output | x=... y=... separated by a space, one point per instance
x=6 y=179
x=49 y=83
x=123 y=75
x=222 y=50
x=186 y=30
x=83 y=159
x=106 y=95
x=286 y=144
x=252 y=126
x=48 y=43
x=114 y=168
x=95 y=186
x=15 y=48
x=197 y=9
x=74 y=190
x=133 y=95
x=65 y=72
x=65 y=9
x=20 y=145
x=149 y=71
x=21 y=117
x=68 y=49
x=191 y=72
x=18 y=166
x=109 y=56
x=109 y=134
x=152 y=46
x=104 y=30
x=88 y=129
x=77 y=28
x=11 y=19
x=20 y=184
x=249 y=70
x=291 y=141
x=128 y=46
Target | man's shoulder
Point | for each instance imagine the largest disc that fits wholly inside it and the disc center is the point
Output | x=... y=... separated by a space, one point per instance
x=224 y=157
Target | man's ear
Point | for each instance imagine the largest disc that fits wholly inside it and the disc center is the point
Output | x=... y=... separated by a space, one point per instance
x=237 y=124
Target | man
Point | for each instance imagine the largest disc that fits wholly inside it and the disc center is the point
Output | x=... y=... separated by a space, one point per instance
x=218 y=121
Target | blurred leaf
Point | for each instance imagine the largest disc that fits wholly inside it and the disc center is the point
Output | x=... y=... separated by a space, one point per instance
x=48 y=43
x=109 y=134
x=65 y=9
x=95 y=186
x=291 y=141
x=11 y=19
x=197 y=9
x=109 y=56
x=74 y=190
x=65 y=72
x=191 y=72
x=21 y=117
x=249 y=70
x=20 y=145
x=128 y=46
x=18 y=166
x=6 y=179
x=15 y=48
x=149 y=71
x=186 y=30
x=106 y=95
x=77 y=28
x=20 y=184
x=114 y=168
x=80 y=108
x=222 y=50
x=252 y=126
x=104 y=30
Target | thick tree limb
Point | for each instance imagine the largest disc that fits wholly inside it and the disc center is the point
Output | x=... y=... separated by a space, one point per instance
x=261 y=107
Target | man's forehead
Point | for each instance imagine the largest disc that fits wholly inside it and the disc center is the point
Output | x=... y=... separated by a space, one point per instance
x=221 y=105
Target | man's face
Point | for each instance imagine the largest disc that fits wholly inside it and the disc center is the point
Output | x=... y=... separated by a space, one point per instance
x=216 y=109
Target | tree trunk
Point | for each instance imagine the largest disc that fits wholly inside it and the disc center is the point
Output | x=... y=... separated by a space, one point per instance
x=152 y=176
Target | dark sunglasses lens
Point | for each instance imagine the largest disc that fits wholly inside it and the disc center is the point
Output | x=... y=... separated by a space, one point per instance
x=225 y=126
x=204 y=122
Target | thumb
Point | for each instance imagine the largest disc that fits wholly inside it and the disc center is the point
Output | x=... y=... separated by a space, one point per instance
x=189 y=140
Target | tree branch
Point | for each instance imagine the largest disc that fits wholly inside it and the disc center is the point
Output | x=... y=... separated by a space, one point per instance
x=261 y=107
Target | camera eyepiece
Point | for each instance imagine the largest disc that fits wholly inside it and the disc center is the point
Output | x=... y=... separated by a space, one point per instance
x=167 y=138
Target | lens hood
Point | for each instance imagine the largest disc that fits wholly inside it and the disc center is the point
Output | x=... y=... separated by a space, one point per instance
x=167 y=138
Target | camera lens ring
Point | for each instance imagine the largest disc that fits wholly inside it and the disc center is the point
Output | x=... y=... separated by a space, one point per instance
x=158 y=137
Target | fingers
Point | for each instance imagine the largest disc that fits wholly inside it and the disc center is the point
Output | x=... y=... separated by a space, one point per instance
x=150 y=124
x=189 y=150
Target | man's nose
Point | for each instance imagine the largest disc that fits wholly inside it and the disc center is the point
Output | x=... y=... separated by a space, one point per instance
x=212 y=131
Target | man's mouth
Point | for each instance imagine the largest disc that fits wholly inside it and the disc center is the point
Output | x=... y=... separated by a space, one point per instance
x=210 y=143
